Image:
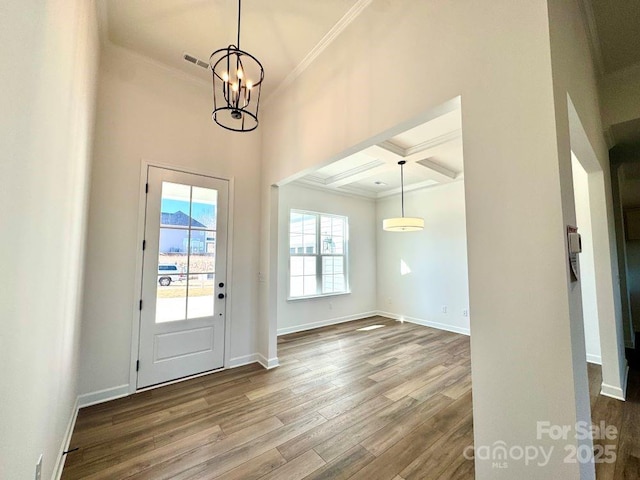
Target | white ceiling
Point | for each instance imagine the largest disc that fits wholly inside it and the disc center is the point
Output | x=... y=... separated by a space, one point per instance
x=613 y=28
x=283 y=34
x=615 y=24
x=433 y=151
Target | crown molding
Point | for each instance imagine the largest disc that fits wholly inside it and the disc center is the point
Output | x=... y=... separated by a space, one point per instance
x=320 y=47
x=344 y=191
x=591 y=29
x=354 y=192
x=315 y=179
x=354 y=171
x=421 y=147
x=359 y=192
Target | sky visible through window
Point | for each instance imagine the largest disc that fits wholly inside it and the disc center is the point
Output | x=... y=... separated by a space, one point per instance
x=203 y=213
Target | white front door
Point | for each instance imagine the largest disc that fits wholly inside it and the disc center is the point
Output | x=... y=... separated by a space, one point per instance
x=182 y=315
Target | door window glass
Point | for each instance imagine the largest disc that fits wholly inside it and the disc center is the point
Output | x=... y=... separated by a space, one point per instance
x=187 y=252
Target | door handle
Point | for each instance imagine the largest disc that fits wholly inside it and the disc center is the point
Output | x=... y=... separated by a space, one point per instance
x=221 y=284
x=221 y=295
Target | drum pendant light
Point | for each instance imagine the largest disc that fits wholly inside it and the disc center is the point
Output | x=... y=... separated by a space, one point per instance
x=402 y=224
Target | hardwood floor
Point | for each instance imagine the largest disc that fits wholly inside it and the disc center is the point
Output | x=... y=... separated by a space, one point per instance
x=625 y=416
x=388 y=403
x=345 y=403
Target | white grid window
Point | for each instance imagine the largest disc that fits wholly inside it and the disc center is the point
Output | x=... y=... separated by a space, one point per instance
x=317 y=254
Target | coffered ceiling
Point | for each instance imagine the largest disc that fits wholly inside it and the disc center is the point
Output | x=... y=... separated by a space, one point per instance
x=432 y=150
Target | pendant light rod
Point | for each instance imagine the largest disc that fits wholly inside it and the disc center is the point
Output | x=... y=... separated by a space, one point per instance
x=239 y=11
x=401 y=163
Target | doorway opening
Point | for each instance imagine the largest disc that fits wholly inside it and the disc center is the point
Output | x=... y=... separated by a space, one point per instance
x=586 y=263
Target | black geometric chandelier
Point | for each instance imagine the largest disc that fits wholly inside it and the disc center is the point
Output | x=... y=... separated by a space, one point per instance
x=237 y=82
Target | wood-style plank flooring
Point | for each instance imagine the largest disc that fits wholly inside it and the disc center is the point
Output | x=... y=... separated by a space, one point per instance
x=345 y=403
x=389 y=403
x=625 y=416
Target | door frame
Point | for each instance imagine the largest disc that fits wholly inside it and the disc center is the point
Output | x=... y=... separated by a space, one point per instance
x=137 y=283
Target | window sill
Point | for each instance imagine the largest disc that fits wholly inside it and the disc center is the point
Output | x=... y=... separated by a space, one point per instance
x=322 y=295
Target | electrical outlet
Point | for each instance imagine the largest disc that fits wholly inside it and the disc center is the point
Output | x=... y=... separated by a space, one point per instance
x=465 y=313
x=444 y=309
x=330 y=305
x=39 y=468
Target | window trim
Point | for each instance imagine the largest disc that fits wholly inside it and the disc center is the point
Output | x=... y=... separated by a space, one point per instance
x=318 y=255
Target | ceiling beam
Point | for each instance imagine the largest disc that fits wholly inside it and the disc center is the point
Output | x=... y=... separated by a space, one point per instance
x=421 y=147
x=393 y=148
x=436 y=167
x=355 y=174
x=407 y=188
x=433 y=142
x=384 y=154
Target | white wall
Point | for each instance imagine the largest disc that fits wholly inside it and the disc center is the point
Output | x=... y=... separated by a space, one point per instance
x=435 y=256
x=579 y=129
x=50 y=51
x=518 y=192
x=150 y=112
x=303 y=314
x=587 y=267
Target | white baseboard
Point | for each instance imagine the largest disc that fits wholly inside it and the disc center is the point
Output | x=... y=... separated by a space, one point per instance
x=426 y=323
x=101 y=396
x=597 y=359
x=325 y=323
x=66 y=441
x=244 y=360
x=88 y=399
x=616 y=392
x=268 y=364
